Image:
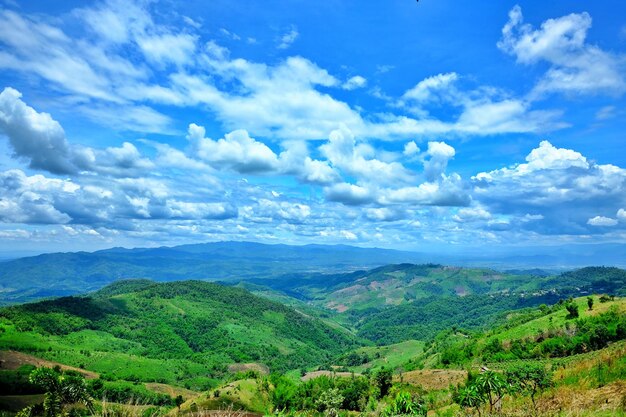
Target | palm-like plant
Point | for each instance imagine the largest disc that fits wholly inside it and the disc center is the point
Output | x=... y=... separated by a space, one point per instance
x=62 y=389
x=493 y=386
x=469 y=397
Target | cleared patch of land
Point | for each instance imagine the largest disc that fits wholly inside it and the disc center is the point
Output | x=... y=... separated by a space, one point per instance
x=245 y=367
x=433 y=379
x=316 y=374
x=12 y=360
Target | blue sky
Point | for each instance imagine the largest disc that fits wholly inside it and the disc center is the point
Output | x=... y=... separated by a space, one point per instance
x=430 y=126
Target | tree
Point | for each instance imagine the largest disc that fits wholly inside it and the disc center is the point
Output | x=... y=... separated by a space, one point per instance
x=529 y=378
x=330 y=401
x=493 y=386
x=383 y=380
x=572 y=310
x=469 y=396
x=590 y=303
x=179 y=400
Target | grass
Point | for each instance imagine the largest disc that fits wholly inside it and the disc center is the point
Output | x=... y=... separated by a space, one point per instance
x=557 y=319
x=391 y=356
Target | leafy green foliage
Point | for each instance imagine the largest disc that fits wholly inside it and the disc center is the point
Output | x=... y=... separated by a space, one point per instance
x=405 y=405
x=61 y=390
x=529 y=378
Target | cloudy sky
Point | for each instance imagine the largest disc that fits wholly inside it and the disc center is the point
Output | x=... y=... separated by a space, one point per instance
x=432 y=125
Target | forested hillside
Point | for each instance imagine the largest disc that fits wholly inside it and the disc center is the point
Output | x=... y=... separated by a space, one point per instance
x=200 y=325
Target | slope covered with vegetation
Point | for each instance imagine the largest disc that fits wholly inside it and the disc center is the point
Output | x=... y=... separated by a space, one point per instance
x=169 y=332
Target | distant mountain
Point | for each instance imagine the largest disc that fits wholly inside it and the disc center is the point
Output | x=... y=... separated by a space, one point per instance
x=198 y=327
x=60 y=274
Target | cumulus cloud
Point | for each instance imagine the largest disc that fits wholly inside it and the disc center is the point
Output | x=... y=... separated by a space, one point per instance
x=41 y=140
x=576 y=67
x=385 y=214
x=601 y=221
x=560 y=184
x=354 y=82
x=236 y=150
x=34 y=136
x=484 y=110
x=439 y=154
x=267 y=211
x=355 y=159
x=430 y=89
x=349 y=194
x=471 y=214
x=410 y=149
x=25 y=199
x=295 y=160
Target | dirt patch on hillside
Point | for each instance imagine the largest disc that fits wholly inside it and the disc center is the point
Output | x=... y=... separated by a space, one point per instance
x=433 y=379
x=11 y=360
x=316 y=374
x=340 y=308
x=245 y=367
x=461 y=291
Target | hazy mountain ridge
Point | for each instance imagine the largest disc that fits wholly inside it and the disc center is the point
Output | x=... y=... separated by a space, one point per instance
x=60 y=274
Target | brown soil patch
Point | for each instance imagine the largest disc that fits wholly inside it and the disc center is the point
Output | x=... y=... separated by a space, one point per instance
x=433 y=379
x=352 y=290
x=316 y=374
x=460 y=291
x=10 y=359
x=245 y=367
x=337 y=307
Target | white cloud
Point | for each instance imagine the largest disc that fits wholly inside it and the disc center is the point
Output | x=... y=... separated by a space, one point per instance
x=349 y=194
x=447 y=191
x=440 y=153
x=621 y=215
x=431 y=89
x=560 y=184
x=410 y=149
x=168 y=48
x=576 y=67
x=237 y=151
x=601 y=221
x=294 y=213
x=288 y=38
x=34 y=136
x=354 y=82
x=295 y=160
x=606 y=112
x=385 y=214
x=471 y=214
x=344 y=153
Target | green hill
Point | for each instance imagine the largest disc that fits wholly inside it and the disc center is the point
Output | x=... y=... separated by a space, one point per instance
x=170 y=332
